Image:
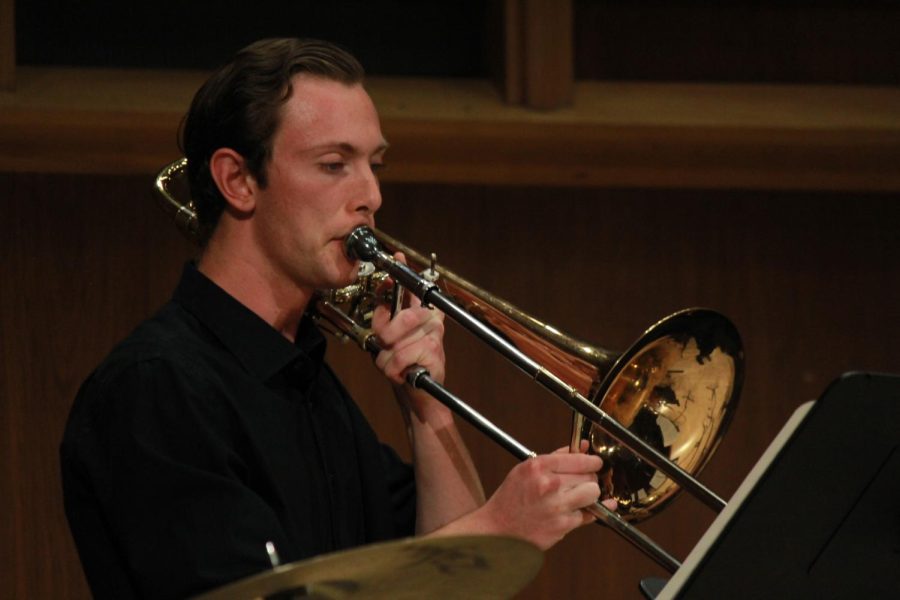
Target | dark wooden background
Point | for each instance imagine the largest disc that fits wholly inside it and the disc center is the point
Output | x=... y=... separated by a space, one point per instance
x=811 y=278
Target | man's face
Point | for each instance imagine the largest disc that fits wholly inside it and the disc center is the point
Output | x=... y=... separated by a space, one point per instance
x=321 y=182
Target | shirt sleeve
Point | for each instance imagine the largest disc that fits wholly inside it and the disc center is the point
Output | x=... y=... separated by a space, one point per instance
x=154 y=491
x=401 y=486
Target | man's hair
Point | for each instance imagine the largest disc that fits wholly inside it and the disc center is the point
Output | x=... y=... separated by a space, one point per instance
x=239 y=107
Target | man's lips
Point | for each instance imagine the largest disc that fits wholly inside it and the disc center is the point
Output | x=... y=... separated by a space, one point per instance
x=343 y=238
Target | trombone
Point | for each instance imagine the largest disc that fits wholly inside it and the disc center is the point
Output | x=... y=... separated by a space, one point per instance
x=654 y=413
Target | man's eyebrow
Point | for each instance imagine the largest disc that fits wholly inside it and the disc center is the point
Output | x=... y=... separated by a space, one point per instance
x=349 y=148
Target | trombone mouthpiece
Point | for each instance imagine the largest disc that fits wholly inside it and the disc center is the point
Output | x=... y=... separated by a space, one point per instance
x=361 y=244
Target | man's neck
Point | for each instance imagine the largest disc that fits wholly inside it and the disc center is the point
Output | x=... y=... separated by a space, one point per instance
x=273 y=298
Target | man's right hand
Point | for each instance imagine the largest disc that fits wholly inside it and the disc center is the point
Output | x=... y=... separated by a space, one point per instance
x=540 y=500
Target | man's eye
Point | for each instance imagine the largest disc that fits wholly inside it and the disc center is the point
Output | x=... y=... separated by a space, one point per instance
x=378 y=167
x=333 y=167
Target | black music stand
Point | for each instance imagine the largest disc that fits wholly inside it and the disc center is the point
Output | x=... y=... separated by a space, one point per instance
x=819 y=514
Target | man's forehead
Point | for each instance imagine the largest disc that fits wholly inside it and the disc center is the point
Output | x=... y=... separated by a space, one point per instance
x=314 y=91
x=325 y=112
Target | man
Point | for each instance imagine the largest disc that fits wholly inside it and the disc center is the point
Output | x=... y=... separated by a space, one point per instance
x=215 y=427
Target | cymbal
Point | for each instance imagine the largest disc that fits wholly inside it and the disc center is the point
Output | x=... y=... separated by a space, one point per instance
x=448 y=567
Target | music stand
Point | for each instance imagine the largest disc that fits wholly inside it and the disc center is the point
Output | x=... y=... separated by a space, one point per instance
x=819 y=514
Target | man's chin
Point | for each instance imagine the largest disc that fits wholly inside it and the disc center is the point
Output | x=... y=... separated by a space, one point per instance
x=346 y=276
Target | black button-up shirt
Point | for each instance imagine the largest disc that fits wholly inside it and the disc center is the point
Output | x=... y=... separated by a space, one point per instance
x=206 y=434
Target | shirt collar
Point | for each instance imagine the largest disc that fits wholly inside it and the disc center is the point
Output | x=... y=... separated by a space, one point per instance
x=261 y=349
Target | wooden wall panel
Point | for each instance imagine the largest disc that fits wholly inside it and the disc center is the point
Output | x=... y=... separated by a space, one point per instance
x=810 y=280
x=84 y=259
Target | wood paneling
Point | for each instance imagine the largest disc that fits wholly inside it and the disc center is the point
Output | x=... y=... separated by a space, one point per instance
x=811 y=280
x=84 y=259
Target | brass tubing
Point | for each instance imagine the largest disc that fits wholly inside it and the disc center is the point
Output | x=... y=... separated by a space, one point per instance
x=363 y=245
x=420 y=378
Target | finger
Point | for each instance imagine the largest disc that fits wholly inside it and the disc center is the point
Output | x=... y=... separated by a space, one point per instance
x=427 y=339
x=383 y=359
x=391 y=328
x=428 y=353
x=587 y=517
x=381 y=316
x=570 y=480
x=384 y=308
x=409 y=299
x=560 y=462
x=405 y=329
x=582 y=495
x=583 y=446
x=410 y=325
x=590 y=517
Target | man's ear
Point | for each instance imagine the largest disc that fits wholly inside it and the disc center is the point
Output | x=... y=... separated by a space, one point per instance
x=238 y=186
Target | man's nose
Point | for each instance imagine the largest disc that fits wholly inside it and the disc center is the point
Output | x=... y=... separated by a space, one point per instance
x=368 y=198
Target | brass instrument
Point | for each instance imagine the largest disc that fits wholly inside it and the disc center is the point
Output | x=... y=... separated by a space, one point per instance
x=654 y=413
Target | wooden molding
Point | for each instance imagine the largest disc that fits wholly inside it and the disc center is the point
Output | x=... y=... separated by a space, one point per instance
x=461 y=132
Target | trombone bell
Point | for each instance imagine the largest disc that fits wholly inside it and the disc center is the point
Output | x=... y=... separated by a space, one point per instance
x=676 y=389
